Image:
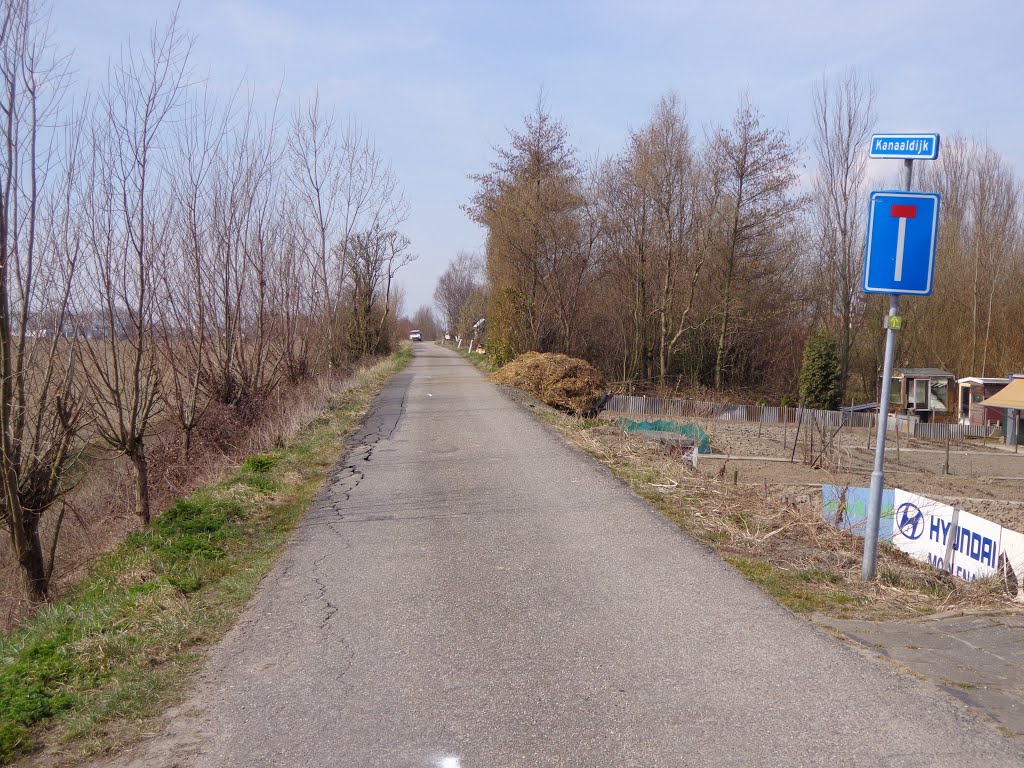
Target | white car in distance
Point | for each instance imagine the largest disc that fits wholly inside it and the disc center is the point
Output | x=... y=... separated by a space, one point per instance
x=415 y=336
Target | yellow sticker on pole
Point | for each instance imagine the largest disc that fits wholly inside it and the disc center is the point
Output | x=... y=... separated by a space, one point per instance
x=894 y=322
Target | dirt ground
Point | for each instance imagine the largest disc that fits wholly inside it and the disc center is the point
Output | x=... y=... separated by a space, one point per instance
x=987 y=480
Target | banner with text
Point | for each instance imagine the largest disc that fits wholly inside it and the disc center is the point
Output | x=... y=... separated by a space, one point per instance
x=949 y=539
x=966 y=545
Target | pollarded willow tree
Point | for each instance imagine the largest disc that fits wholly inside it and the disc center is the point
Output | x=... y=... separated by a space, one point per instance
x=160 y=250
x=40 y=259
x=128 y=209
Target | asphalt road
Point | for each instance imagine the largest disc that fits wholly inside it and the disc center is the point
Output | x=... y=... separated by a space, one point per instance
x=469 y=591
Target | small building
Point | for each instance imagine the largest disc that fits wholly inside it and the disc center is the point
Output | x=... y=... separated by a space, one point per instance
x=1010 y=399
x=921 y=392
x=971 y=391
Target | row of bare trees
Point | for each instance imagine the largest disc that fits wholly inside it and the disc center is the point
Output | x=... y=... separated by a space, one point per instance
x=708 y=260
x=162 y=249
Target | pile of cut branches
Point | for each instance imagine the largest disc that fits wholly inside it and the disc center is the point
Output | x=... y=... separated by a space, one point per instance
x=563 y=382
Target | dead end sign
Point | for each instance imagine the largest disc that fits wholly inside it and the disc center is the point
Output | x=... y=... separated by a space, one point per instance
x=901 y=238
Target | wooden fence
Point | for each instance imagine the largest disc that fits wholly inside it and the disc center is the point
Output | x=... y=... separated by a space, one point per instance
x=687 y=408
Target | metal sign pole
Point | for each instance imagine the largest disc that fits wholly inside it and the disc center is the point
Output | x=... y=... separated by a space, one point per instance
x=878 y=473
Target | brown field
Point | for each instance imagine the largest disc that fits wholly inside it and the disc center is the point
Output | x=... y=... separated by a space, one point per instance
x=987 y=480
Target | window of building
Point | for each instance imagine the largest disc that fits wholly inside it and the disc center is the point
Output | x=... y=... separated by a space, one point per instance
x=896 y=393
x=938 y=395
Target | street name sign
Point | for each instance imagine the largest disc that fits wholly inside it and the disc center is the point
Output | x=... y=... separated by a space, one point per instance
x=904 y=146
x=900 y=253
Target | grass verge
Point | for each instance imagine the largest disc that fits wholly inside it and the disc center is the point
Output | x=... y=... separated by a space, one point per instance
x=482 y=361
x=87 y=670
x=783 y=546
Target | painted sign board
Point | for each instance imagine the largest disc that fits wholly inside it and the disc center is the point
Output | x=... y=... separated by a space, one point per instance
x=904 y=146
x=966 y=545
x=948 y=539
x=847 y=509
x=902 y=232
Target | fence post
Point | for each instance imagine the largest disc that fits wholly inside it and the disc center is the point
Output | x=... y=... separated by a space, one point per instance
x=796 y=437
x=839 y=447
x=897 y=438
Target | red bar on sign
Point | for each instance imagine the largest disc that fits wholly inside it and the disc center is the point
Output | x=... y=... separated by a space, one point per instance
x=904 y=212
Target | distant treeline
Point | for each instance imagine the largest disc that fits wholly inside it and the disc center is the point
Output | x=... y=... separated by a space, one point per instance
x=707 y=259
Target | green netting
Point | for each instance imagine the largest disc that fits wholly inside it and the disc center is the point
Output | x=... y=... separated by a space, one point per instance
x=696 y=435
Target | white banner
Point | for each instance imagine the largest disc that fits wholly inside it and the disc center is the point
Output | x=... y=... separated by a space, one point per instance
x=1012 y=562
x=963 y=544
x=976 y=550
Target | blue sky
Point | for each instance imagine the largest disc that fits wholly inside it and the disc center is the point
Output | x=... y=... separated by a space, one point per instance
x=438 y=83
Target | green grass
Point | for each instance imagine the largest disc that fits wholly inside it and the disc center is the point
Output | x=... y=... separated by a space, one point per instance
x=484 y=362
x=792 y=588
x=121 y=645
x=890 y=577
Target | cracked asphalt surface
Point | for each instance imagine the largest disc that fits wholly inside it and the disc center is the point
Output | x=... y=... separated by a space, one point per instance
x=470 y=591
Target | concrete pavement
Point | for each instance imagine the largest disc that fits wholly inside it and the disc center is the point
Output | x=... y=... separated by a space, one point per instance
x=470 y=591
x=978 y=658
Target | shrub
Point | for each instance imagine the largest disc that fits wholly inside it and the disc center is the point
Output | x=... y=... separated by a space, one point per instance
x=821 y=372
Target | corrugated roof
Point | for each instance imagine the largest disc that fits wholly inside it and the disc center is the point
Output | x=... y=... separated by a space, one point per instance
x=936 y=372
x=1010 y=396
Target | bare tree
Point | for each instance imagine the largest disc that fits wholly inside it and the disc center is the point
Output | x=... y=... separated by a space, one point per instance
x=302 y=323
x=456 y=288
x=423 y=320
x=844 y=116
x=757 y=167
x=656 y=204
x=184 y=306
x=40 y=252
x=979 y=260
x=375 y=258
x=129 y=222
x=344 y=187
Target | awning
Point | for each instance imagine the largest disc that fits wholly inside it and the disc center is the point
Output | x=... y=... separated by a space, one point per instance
x=1010 y=396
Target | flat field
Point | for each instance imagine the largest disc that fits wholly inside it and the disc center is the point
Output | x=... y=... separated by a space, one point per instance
x=987 y=480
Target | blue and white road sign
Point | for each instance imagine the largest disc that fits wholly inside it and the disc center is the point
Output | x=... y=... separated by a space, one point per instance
x=902 y=230
x=905 y=146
